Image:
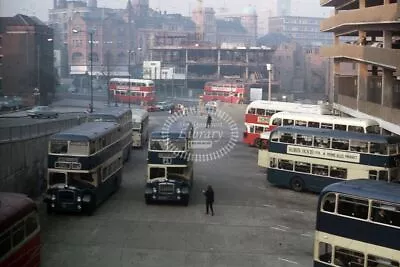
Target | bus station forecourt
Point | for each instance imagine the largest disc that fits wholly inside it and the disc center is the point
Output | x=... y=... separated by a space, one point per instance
x=255 y=223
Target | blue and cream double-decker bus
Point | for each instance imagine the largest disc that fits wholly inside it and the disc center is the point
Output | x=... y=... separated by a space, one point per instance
x=170 y=164
x=309 y=158
x=84 y=166
x=358 y=224
x=122 y=116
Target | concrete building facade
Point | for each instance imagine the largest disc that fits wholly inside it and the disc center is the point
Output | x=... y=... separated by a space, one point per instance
x=374 y=91
x=26 y=58
x=303 y=30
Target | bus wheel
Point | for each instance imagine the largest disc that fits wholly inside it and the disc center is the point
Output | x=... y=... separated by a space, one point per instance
x=257 y=142
x=297 y=184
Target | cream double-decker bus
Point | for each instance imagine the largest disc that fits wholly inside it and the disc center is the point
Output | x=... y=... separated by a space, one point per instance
x=140 y=127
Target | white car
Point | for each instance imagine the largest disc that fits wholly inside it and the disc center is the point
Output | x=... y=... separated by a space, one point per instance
x=42 y=112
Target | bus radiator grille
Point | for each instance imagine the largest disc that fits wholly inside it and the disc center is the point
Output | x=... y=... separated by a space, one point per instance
x=166 y=188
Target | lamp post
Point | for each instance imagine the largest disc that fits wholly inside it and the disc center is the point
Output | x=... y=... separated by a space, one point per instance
x=91 y=65
x=269 y=69
x=129 y=73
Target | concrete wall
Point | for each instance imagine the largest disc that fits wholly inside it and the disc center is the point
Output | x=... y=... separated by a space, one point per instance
x=24 y=162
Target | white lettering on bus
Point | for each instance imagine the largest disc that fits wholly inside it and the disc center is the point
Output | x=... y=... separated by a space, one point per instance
x=323 y=153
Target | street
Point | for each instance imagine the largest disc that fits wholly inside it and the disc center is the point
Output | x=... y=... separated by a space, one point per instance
x=255 y=224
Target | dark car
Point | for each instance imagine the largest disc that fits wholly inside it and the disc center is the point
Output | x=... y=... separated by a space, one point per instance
x=42 y=112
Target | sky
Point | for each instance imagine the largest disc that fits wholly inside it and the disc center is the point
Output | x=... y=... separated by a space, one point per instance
x=299 y=7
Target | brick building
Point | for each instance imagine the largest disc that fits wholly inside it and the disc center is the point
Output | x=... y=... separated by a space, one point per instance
x=26 y=58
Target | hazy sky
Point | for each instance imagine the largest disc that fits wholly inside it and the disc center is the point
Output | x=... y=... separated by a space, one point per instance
x=299 y=7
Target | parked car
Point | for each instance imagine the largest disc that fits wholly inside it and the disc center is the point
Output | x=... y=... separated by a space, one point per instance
x=164 y=106
x=151 y=108
x=42 y=112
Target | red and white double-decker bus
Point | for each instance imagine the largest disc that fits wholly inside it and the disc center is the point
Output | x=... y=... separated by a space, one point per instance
x=229 y=91
x=19 y=231
x=259 y=112
x=141 y=91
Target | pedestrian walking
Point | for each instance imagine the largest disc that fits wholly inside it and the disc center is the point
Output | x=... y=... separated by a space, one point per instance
x=209 y=194
x=208 y=123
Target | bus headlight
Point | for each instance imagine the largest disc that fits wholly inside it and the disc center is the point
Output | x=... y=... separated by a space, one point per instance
x=53 y=197
x=78 y=199
x=178 y=190
x=154 y=190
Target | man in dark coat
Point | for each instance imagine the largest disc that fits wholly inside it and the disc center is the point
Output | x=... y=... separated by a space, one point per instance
x=209 y=194
x=208 y=123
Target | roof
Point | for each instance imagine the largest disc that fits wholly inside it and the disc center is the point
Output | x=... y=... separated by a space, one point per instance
x=14 y=207
x=85 y=132
x=377 y=138
x=366 y=188
x=324 y=118
x=289 y=106
x=176 y=130
x=132 y=80
x=139 y=114
x=109 y=111
x=157 y=20
x=274 y=39
x=19 y=20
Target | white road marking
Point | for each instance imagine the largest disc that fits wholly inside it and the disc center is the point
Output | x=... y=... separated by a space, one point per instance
x=278 y=229
x=293 y=262
x=269 y=206
x=297 y=211
x=261 y=188
x=282 y=226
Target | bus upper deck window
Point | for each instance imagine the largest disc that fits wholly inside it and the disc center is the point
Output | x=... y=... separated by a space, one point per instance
x=269 y=112
x=359 y=146
x=252 y=111
x=373 y=129
x=353 y=207
x=329 y=202
x=342 y=144
x=304 y=140
x=277 y=122
x=301 y=123
x=378 y=148
x=357 y=129
x=59 y=147
x=340 y=127
x=275 y=136
x=322 y=142
x=287 y=138
x=326 y=126
x=386 y=213
x=313 y=124
x=381 y=261
x=288 y=122
x=261 y=112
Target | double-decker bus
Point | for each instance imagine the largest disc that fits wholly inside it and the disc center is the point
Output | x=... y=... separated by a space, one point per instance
x=358 y=224
x=140 y=127
x=258 y=114
x=170 y=164
x=314 y=121
x=139 y=91
x=309 y=158
x=84 y=166
x=122 y=116
x=19 y=231
x=229 y=91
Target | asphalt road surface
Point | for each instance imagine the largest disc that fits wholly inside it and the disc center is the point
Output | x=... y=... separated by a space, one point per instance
x=255 y=224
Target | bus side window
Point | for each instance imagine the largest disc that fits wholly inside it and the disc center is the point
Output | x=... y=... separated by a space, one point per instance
x=325 y=252
x=341 y=144
x=251 y=129
x=376 y=261
x=326 y=126
x=252 y=111
x=340 y=127
x=353 y=207
x=5 y=243
x=269 y=112
x=313 y=124
x=301 y=123
x=338 y=172
x=277 y=122
x=383 y=176
x=357 y=129
x=302 y=167
x=373 y=175
x=322 y=142
x=320 y=170
x=329 y=202
x=261 y=112
x=288 y=122
x=304 y=140
x=31 y=224
x=359 y=146
x=259 y=129
x=378 y=148
x=347 y=257
x=285 y=164
x=287 y=138
x=18 y=233
x=272 y=162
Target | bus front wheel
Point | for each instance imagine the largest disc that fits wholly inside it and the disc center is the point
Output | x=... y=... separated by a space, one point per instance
x=297 y=184
x=257 y=142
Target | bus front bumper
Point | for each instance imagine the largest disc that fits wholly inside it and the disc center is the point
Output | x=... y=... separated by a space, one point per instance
x=55 y=202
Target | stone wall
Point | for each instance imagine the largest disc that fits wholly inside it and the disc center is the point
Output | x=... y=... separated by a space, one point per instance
x=23 y=165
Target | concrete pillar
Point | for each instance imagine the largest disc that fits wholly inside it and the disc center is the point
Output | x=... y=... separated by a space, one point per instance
x=362 y=3
x=336 y=40
x=387 y=88
x=333 y=82
x=387 y=39
x=219 y=64
x=362 y=83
